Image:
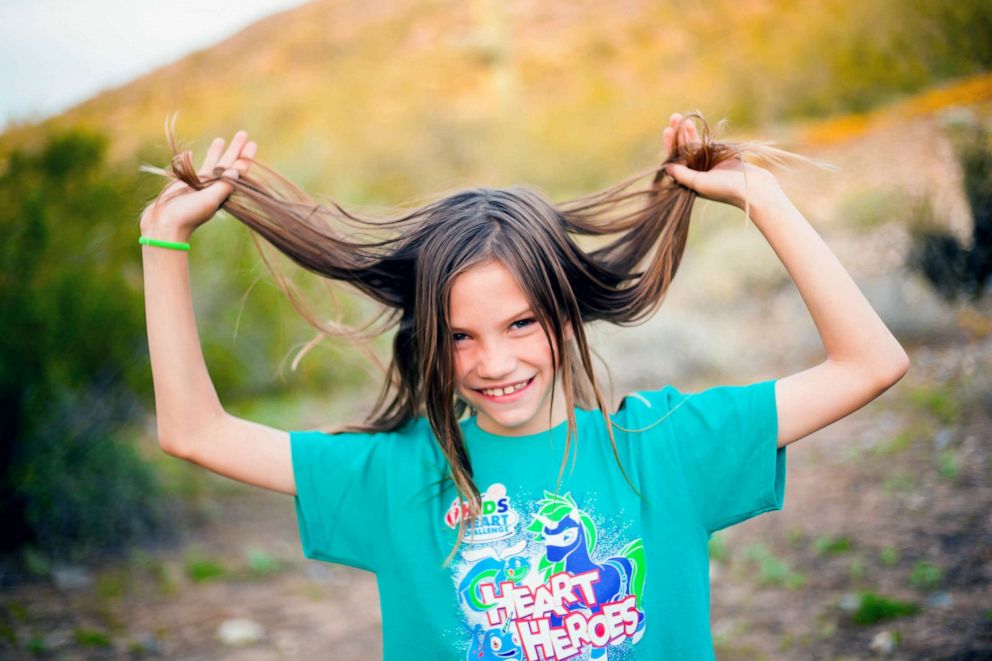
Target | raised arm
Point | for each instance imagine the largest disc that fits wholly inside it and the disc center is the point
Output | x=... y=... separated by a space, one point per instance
x=191 y=422
x=863 y=358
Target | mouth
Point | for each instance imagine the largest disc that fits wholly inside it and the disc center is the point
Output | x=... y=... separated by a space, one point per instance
x=511 y=394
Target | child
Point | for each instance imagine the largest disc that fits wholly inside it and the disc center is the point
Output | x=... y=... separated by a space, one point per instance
x=456 y=493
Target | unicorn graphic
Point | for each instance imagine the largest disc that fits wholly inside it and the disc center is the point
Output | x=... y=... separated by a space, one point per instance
x=569 y=537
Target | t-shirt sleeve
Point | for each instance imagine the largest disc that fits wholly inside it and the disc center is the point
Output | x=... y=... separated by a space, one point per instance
x=340 y=495
x=725 y=441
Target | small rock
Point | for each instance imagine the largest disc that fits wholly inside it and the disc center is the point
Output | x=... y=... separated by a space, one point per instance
x=883 y=642
x=956 y=117
x=146 y=643
x=318 y=573
x=71 y=577
x=287 y=643
x=849 y=602
x=723 y=628
x=57 y=638
x=239 y=631
x=942 y=438
x=940 y=600
x=338 y=575
x=917 y=502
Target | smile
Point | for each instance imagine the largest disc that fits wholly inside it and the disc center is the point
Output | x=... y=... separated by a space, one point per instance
x=508 y=393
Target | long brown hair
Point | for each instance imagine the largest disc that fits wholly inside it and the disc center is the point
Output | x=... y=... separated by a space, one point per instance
x=410 y=273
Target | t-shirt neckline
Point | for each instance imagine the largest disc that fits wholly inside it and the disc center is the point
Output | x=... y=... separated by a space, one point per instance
x=557 y=432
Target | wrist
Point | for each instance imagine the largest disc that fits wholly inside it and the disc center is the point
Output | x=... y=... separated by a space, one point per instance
x=763 y=195
x=163 y=232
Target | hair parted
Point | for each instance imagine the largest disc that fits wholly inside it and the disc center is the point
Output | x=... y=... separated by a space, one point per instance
x=410 y=273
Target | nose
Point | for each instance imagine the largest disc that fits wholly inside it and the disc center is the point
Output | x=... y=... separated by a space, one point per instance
x=495 y=361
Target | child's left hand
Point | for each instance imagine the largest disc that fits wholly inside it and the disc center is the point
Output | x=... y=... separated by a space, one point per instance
x=726 y=181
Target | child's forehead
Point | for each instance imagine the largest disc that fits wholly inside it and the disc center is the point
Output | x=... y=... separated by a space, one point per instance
x=485 y=286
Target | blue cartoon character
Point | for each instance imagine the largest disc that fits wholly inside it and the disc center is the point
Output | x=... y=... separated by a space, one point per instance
x=493 y=567
x=493 y=644
x=569 y=538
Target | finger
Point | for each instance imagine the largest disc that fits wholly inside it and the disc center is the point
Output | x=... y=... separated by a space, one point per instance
x=683 y=175
x=244 y=161
x=213 y=155
x=667 y=138
x=691 y=133
x=247 y=156
x=233 y=149
x=220 y=190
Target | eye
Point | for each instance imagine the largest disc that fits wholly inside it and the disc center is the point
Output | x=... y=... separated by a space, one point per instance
x=525 y=322
x=458 y=337
x=496 y=644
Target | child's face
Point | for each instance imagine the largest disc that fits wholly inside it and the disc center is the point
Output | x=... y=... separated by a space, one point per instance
x=498 y=342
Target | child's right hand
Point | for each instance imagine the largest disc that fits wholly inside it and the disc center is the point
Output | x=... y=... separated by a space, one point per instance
x=179 y=209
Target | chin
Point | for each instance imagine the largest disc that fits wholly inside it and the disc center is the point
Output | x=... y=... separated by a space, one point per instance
x=515 y=423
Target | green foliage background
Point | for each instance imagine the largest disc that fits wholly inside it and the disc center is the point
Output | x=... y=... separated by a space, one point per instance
x=75 y=380
x=70 y=358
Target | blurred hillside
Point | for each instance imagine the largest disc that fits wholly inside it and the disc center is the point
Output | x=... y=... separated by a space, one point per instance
x=382 y=101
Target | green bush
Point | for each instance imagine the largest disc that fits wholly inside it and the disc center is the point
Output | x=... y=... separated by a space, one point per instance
x=938 y=402
x=953 y=269
x=875 y=608
x=201 y=568
x=832 y=545
x=842 y=56
x=888 y=556
x=926 y=576
x=83 y=488
x=718 y=548
x=771 y=569
x=92 y=638
x=261 y=563
x=73 y=367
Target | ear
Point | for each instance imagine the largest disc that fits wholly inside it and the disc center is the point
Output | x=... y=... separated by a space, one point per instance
x=569 y=331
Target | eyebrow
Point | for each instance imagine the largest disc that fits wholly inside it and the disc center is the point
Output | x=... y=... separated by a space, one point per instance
x=522 y=313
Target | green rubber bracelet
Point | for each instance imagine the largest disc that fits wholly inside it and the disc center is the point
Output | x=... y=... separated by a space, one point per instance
x=175 y=245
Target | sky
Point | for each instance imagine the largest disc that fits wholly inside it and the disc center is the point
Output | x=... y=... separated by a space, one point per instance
x=57 y=53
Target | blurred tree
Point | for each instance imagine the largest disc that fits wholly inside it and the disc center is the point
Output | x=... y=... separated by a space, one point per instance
x=74 y=368
x=786 y=60
x=952 y=268
x=72 y=372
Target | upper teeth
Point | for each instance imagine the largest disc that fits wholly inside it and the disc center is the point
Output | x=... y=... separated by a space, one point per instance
x=499 y=392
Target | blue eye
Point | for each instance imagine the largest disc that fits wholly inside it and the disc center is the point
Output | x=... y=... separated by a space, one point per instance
x=519 y=324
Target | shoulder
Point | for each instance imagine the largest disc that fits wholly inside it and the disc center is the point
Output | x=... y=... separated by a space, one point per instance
x=647 y=399
x=648 y=404
x=413 y=435
x=673 y=408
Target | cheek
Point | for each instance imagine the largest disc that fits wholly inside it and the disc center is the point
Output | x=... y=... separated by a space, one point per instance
x=461 y=368
x=539 y=353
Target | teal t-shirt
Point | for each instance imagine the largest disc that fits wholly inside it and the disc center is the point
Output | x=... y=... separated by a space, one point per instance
x=592 y=572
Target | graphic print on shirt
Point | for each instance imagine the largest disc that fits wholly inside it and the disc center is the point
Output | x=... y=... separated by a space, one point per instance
x=546 y=591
